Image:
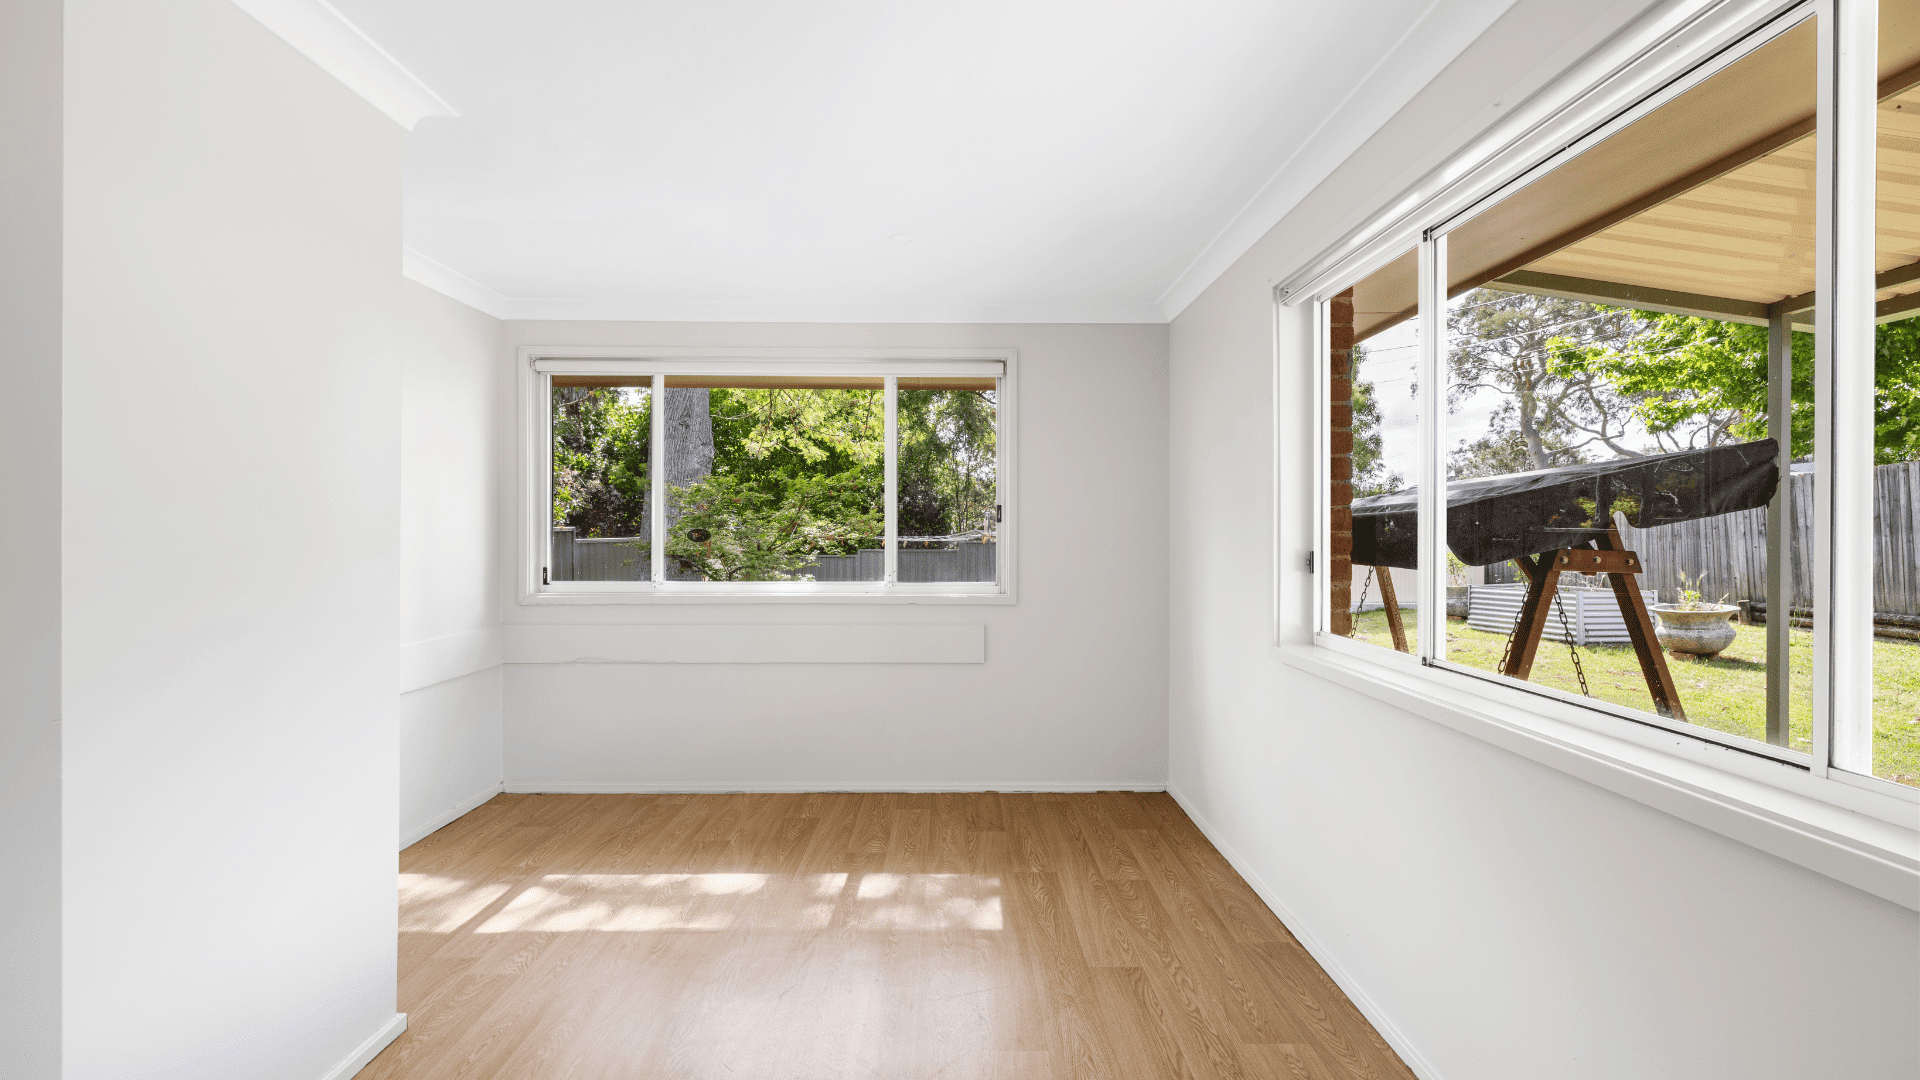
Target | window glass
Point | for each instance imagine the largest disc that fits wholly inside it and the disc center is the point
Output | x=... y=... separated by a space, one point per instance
x=1891 y=748
x=947 y=477
x=1374 y=362
x=1628 y=361
x=601 y=527
x=774 y=478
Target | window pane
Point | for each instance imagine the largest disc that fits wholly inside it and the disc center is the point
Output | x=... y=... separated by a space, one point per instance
x=1374 y=358
x=1894 y=742
x=948 y=479
x=774 y=479
x=1617 y=333
x=601 y=436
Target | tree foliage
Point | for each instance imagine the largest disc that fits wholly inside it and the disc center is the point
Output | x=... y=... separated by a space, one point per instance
x=600 y=445
x=731 y=529
x=769 y=440
x=1706 y=381
x=1370 y=474
x=1557 y=413
x=948 y=461
x=797 y=474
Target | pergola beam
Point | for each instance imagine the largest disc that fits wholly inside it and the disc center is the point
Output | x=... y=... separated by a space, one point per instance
x=1639 y=297
x=1886 y=279
x=1725 y=309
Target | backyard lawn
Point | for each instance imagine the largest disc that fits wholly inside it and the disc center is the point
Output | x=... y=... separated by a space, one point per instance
x=1728 y=693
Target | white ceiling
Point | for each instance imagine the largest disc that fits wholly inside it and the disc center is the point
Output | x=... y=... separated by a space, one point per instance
x=767 y=160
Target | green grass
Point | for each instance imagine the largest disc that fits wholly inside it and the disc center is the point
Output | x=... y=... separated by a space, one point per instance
x=1727 y=693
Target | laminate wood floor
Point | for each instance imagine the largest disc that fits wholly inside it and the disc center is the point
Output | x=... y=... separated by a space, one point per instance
x=901 y=937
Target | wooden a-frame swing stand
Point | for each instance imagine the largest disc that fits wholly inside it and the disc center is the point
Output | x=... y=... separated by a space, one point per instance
x=1543 y=571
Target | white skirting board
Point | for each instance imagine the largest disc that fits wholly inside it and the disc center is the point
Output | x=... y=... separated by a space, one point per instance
x=448 y=816
x=368 y=1050
x=720 y=787
x=1317 y=949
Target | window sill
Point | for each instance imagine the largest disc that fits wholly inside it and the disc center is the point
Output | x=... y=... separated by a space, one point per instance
x=1865 y=838
x=645 y=597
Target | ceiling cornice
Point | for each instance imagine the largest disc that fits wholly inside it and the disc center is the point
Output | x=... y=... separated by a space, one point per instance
x=444 y=279
x=344 y=51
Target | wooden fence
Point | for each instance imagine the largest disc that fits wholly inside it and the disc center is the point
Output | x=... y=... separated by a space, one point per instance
x=1729 y=553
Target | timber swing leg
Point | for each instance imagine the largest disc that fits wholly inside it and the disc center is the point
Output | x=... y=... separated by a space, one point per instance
x=1543 y=580
x=1391 y=605
x=1621 y=568
x=1653 y=663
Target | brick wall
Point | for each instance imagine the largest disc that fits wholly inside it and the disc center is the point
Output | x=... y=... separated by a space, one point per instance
x=1340 y=419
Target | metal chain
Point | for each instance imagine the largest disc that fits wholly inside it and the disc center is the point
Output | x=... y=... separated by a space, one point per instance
x=1507 y=652
x=1560 y=604
x=1363 y=596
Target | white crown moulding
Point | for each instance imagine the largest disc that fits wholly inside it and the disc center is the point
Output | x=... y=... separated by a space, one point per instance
x=443 y=279
x=344 y=51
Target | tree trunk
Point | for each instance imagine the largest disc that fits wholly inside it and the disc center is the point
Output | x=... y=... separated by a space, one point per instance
x=687 y=432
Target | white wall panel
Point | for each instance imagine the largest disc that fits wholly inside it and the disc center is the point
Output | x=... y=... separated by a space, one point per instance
x=452 y=455
x=450 y=742
x=1497 y=918
x=229 y=551
x=1072 y=690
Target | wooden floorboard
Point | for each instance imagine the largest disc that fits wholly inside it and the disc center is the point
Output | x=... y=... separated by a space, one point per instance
x=968 y=936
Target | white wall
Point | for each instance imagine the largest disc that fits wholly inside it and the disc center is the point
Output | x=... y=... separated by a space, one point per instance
x=30 y=100
x=1073 y=691
x=1508 y=920
x=451 y=453
x=229 y=552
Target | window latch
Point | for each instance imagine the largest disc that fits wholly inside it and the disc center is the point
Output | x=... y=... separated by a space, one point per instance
x=543 y=576
x=1309 y=562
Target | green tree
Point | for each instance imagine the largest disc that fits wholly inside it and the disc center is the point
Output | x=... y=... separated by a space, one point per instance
x=1503 y=342
x=600 y=445
x=731 y=529
x=796 y=473
x=1501 y=454
x=1370 y=473
x=948 y=461
x=1706 y=381
x=769 y=440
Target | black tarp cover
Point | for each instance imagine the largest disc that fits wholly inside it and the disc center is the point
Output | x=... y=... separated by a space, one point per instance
x=1495 y=518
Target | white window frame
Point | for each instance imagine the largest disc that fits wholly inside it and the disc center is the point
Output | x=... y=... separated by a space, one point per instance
x=1805 y=808
x=536 y=364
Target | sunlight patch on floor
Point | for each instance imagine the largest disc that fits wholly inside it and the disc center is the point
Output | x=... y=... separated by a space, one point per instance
x=562 y=903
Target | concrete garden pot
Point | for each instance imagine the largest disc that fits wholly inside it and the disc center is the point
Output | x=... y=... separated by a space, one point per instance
x=1700 y=632
x=1458 y=597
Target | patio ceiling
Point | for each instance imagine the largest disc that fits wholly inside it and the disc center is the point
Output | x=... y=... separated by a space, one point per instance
x=1704 y=206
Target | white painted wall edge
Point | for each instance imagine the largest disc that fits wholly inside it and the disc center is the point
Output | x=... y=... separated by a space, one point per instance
x=1870 y=854
x=450 y=815
x=1434 y=40
x=787 y=787
x=344 y=51
x=747 y=643
x=1409 y=1054
x=436 y=660
x=367 y=1051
